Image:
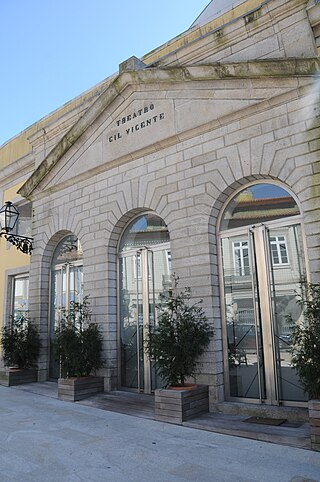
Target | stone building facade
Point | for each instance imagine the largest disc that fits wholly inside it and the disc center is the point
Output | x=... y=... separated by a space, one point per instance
x=201 y=158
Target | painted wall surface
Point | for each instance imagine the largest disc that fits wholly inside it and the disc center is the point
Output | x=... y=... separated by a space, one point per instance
x=10 y=257
x=11 y=261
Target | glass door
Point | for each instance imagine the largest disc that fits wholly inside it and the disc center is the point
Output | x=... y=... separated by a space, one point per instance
x=144 y=275
x=262 y=269
x=243 y=318
x=286 y=269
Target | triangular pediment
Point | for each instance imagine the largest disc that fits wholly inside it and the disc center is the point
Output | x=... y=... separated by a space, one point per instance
x=149 y=109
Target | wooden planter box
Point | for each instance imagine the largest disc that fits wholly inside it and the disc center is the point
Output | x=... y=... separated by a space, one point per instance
x=314 y=417
x=78 y=388
x=17 y=376
x=179 y=405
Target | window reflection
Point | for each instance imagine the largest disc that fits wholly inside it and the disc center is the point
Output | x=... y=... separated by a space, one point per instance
x=262 y=265
x=258 y=204
x=241 y=258
x=279 y=251
x=66 y=285
x=147 y=230
x=145 y=268
x=20 y=295
x=68 y=250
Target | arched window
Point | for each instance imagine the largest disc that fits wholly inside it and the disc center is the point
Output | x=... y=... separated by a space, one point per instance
x=261 y=246
x=66 y=284
x=258 y=204
x=144 y=274
x=146 y=230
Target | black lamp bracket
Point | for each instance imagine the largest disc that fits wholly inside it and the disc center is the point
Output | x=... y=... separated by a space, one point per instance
x=22 y=243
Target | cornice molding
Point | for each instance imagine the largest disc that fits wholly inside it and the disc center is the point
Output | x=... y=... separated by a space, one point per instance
x=284 y=68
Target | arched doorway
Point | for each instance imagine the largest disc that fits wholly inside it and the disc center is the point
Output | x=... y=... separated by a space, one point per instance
x=261 y=248
x=66 y=286
x=144 y=273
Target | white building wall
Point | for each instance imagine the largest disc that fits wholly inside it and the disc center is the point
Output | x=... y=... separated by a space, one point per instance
x=186 y=185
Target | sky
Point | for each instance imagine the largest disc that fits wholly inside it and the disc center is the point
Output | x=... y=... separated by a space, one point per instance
x=53 y=50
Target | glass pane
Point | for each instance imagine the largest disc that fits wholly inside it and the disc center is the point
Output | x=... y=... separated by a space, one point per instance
x=130 y=314
x=246 y=380
x=57 y=307
x=143 y=275
x=147 y=230
x=66 y=285
x=20 y=295
x=139 y=296
x=76 y=284
x=241 y=258
x=133 y=288
x=258 y=204
x=285 y=286
x=159 y=285
x=56 y=297
x=68 y=250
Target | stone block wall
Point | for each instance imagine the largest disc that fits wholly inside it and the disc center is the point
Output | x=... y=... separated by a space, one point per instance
x=270 y=30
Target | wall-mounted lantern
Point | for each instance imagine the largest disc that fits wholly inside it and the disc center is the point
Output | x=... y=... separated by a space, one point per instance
x=9 y=215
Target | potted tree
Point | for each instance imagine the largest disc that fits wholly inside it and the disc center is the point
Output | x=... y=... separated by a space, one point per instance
x=78 y=349
x=306 y=354
x=177 y=342
x=20 y=343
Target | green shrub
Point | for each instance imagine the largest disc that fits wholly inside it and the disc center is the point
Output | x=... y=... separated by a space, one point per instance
x=20 y=342
x=78 y=342
x=181 y=336
x=306 y=340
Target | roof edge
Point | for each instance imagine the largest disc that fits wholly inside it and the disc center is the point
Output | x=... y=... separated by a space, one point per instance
x=241 y=70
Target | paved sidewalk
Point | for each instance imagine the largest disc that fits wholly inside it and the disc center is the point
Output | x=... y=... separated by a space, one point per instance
x=44 y=439
x=295 y=433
